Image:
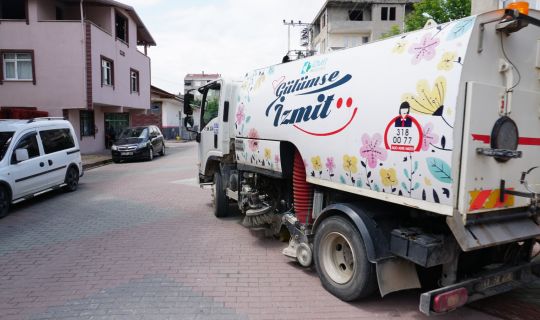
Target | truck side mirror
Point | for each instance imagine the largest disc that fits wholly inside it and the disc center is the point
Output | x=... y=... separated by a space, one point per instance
x=188 y=100
x=188 y=122
x=21 y=155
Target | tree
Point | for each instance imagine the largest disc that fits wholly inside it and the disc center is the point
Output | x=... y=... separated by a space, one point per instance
x=394 y=31
x=441 y=11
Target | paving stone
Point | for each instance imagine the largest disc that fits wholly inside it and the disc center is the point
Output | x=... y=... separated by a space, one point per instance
x=133 y=243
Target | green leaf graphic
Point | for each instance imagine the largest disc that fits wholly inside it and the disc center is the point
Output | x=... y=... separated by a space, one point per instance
x=439 y=169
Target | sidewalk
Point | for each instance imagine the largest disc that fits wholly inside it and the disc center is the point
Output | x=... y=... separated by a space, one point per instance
x=103 y=158
x=95 y=160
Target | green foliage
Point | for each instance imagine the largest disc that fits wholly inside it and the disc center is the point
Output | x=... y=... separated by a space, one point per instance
x=441 y=11
x=394 y=31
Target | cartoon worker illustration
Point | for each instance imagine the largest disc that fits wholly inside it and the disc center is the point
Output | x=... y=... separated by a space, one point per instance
x=404 y=120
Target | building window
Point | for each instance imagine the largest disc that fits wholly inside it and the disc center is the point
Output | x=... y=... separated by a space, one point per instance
x=13 y=9
x=356 y=15
x=155 y=107
x=18 y=66
x=134 y=80
x=107 y=72
x=323 y=20
x=121 y=23
x=388 y=13
x=87 y=123
x=365 y=39
x=187 y=83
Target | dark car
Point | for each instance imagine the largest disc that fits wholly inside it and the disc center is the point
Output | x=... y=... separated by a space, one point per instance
x=138 y=143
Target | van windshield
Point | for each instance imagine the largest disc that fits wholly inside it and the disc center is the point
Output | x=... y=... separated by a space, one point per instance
x=5 y=140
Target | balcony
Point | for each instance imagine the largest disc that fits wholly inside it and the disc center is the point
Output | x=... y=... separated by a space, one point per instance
x=350 y=27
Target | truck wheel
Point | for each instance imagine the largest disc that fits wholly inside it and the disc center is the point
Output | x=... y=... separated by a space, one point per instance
x=341 y=260
x=221 y=203
x=5 y=201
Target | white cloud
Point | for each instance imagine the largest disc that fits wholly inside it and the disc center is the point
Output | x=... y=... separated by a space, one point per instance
x=229 y=37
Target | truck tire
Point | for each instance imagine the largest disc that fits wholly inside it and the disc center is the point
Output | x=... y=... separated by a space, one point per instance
x=341 y=260
x=221 y=203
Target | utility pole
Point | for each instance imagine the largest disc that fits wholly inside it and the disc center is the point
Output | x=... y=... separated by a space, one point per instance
x=290 y=24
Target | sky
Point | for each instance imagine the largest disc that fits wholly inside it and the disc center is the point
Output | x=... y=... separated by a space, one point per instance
x=229 y=37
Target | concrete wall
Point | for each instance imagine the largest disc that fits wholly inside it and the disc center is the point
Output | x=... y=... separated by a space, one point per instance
x=124 y=58
x=59 y=68
x=89 y=144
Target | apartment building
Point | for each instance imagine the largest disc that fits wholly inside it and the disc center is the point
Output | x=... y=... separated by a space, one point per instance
x=344 y=24
x=83 y=60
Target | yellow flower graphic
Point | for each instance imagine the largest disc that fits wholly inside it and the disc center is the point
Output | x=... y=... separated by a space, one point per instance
x=349 y=163
x=400 y=47
x=267 y=153
x=447 y=61
x=427 y=182
x=388 y=177
x=428 y=100
x=316 y=162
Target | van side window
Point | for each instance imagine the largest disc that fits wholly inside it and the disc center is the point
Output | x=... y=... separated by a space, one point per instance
x=28 y=142
x=56 y=140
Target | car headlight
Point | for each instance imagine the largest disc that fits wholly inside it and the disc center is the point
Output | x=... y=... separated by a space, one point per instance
x=114 y=147
x=141 y=145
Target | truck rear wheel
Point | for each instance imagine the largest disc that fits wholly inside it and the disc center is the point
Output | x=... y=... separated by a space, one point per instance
x=221 y=203
x=341 y=260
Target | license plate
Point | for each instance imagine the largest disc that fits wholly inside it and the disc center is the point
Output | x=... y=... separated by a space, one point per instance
x=126 y=153
x=495 y=281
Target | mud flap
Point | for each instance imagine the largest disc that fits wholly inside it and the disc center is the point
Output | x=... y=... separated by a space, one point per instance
x=396 y=274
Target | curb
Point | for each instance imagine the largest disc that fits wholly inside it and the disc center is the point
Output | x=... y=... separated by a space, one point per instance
x=89 y=166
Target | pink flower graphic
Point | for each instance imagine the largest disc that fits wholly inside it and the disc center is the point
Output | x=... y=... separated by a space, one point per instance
x=330 y=164
x=429 y=136
x=371 y=150
x=425 y=49
x=240 y=115
x=277 y=159
x=253 y=143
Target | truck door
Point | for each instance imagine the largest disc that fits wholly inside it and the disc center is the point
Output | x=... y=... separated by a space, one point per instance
x=210 y=125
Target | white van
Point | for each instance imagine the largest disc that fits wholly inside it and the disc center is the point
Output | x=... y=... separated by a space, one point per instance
x=37 y=156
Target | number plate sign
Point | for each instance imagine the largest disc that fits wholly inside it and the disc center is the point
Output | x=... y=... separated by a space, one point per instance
x=494 y=281
x=127 y=153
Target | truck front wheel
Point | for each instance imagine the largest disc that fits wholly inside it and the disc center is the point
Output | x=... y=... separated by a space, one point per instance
x=221 y=203
x=341 y=260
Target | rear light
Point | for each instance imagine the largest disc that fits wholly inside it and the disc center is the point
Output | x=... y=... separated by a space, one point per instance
x=521 y=6
x=450 y=300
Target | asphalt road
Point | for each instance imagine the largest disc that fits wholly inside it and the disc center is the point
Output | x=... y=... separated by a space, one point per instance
x=138 y=241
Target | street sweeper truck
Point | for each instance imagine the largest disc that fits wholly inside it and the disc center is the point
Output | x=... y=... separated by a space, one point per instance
x=412 y=155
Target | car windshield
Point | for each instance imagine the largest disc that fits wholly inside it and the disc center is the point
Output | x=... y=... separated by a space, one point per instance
x=5 y=140
x=134 y=133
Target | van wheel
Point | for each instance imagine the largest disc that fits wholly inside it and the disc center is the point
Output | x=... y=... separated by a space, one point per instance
x=150 y=155
x=72 y=179
x=341 y=260
x=5 y=201
x=221 y=203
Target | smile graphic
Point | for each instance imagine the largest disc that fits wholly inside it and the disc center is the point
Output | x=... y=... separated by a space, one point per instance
x=339 y=104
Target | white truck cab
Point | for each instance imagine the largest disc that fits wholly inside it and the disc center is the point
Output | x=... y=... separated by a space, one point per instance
x=36 y=156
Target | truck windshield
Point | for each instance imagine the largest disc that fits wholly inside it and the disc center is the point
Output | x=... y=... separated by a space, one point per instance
x=5 y=140
x=210 y=105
